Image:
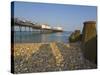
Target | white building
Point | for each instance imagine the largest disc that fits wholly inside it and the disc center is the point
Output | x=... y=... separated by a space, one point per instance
x=58 y=28
x=44 y=26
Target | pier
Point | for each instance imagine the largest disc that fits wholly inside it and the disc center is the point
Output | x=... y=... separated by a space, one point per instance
x=23 y=24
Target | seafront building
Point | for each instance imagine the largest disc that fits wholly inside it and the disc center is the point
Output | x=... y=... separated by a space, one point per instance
x=45 y=26
x=58 y=28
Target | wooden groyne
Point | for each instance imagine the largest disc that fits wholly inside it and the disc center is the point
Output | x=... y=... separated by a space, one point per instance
x=75 y=36
x=89 y=41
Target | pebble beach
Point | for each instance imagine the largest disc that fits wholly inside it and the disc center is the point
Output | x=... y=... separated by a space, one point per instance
x=47 y=57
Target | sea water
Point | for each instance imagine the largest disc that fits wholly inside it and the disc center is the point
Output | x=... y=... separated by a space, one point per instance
x=36 y=37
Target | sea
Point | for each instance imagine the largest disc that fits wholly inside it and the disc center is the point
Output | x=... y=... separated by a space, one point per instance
x=36 y=37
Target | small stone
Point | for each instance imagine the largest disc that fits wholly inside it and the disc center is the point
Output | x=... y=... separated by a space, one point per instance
x=18 y=54
x=28 y=48
x=25 y=69
x=68 y=45
x=21 y=65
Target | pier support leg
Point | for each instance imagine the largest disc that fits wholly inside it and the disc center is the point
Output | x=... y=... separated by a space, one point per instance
x=24 y=28
x=32 y=29
x=20 y=33
x=29 y=28
x=20 y=28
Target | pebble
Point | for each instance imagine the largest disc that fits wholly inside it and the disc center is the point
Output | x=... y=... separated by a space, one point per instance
x=43 y=60
x=68 y=45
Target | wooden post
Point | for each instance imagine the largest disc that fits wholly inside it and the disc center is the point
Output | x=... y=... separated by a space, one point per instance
x=89 y=41
x=89 y=30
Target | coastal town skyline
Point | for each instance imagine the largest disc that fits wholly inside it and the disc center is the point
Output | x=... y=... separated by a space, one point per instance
x=69 y=17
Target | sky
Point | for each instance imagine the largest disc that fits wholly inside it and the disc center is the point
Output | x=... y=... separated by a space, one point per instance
x=70 y=17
